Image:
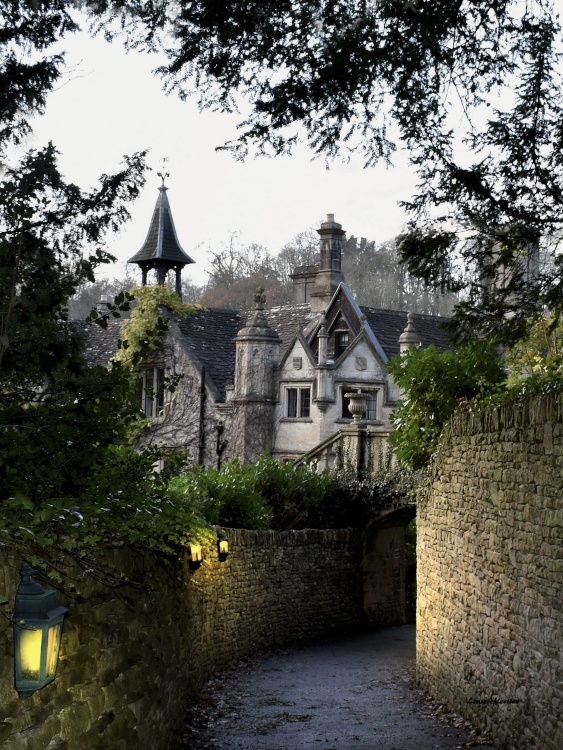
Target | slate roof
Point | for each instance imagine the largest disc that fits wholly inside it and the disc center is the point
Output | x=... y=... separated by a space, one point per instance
x=162 y=242
x=210 y=334
x=100 y=344
x=287 y=321
x=388 y=325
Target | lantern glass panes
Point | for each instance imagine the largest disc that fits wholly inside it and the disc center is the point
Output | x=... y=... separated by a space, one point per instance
x=38 y=624
x=222 y=546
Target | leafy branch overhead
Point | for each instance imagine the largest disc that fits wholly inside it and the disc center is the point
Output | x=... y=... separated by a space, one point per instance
x=473 y=88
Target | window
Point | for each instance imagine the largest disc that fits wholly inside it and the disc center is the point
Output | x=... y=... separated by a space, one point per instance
x=340 y=343
x=371 y=406
x=298 y=403
x=152 y=391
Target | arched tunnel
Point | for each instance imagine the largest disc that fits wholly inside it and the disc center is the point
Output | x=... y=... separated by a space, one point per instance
x=388 y=569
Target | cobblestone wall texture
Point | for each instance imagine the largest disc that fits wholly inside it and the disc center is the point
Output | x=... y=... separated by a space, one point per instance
x=490 y=574
x=130 y=660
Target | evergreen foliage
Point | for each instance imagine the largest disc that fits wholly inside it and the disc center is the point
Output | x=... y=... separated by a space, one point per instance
x=473 y=88
x=280 y=496
x=435 y=384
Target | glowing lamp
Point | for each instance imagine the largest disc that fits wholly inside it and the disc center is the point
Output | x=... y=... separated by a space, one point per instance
x=195 y=556
x=38 y=626
x=222 y=546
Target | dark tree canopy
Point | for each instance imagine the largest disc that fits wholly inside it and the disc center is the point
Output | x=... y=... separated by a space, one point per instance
x=472 y=87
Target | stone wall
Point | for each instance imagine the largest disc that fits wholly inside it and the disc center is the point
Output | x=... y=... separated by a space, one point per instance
x=130 y=660
x=490 y=574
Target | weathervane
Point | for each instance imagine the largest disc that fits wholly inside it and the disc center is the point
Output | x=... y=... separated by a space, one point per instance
x=163 y=175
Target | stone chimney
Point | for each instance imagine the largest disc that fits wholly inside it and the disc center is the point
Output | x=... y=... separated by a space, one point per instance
x=329 y=275
x=102 y=307
x=303 y=278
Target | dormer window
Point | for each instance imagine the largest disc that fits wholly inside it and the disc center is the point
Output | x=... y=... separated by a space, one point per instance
x=341 y=341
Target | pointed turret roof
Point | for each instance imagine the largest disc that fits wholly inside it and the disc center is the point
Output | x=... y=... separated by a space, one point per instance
x=162 y=242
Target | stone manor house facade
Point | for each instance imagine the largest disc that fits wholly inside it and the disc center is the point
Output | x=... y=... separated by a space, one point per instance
x=276 y=380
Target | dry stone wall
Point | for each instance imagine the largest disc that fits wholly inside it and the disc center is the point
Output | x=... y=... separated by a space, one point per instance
x=490 y=573
x=131 y=660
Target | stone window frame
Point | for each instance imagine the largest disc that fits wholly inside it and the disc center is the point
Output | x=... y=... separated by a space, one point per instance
x=366 y=388
x=301 y=389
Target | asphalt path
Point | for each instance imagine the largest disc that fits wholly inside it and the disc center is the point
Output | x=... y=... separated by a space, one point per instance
x=348 y=693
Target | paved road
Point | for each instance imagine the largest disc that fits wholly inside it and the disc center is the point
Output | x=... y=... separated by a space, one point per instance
x=354 y=693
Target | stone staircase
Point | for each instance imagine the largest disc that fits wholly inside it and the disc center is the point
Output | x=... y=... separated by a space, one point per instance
x=356 y=447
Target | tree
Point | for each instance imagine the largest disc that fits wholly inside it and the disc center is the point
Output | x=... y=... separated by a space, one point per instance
x=472 y=87
x=69 y=483
x=378 y=279
x=434 y=385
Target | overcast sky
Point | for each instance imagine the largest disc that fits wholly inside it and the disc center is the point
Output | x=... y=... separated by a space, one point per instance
x=110 y=104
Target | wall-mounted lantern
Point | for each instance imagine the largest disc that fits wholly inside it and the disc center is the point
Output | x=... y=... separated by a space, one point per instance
x=38 y=626
x=222 y=546
x=194 y=556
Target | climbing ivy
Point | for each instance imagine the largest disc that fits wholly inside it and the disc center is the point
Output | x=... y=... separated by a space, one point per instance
x=143 y=332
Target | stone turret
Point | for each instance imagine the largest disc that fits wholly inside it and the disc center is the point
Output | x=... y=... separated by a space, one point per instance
x=257 y=348
x=161 y=250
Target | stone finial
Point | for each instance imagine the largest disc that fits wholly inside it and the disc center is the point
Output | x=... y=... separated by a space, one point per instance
x=259 y=299
x=410 y=336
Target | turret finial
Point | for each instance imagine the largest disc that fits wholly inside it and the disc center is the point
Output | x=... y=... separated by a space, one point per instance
x=162 y=174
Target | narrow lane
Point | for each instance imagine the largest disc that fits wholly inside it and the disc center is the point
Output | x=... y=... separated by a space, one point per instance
x=353 y=693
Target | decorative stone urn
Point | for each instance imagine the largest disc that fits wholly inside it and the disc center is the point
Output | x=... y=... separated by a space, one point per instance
x=358 y=404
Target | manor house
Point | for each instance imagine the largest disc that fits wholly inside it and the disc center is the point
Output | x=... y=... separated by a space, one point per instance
x=278 y=380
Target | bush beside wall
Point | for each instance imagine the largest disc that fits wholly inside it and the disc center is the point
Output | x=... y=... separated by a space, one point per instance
x=130 y=660
x=490 y=573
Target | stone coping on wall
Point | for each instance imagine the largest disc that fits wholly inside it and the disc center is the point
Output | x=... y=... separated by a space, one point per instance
x=521 y=414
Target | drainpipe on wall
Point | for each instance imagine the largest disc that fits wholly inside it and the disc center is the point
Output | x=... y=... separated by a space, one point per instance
x=221 y=444
x=202 y=396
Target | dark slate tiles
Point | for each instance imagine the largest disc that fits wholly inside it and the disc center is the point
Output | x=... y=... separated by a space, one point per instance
x=100 y=344
x=388 y=325
x=210 y=334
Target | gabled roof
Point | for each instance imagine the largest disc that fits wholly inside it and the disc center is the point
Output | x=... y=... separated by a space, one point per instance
x=162 y=242
x=388 y=325
x=384 y=327
x=210 y=334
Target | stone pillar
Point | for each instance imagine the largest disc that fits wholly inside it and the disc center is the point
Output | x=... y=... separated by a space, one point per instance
x=324 y=380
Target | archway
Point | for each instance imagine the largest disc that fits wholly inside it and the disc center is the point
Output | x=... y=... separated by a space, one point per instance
x=385 y=568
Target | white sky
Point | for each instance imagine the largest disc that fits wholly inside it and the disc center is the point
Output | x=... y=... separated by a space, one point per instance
x=112 y=105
